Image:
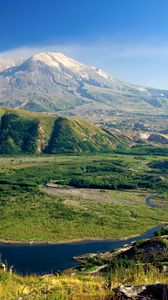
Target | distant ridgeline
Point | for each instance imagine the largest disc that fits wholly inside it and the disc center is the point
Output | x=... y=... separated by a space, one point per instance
x=30 y=132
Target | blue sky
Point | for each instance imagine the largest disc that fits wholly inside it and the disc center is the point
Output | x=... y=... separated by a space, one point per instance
x=127 y=38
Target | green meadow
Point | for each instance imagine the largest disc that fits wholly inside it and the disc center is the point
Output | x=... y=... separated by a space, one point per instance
x=106 y=198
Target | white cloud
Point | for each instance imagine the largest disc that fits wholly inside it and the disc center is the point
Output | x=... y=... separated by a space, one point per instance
x=99 y=51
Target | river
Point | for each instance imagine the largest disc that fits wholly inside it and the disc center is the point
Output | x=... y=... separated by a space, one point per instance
x=49 y=258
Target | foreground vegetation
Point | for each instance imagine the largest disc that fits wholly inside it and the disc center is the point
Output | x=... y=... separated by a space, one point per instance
x=29 y=213
x=78 y=287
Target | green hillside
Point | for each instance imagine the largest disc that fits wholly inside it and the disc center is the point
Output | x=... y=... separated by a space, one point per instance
x=29 y=132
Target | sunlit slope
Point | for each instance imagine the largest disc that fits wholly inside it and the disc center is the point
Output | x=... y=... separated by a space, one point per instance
x=27 y=132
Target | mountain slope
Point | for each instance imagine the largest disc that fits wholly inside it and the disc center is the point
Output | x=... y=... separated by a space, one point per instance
x=54 y=82
x=75 y=135
x=25 y=132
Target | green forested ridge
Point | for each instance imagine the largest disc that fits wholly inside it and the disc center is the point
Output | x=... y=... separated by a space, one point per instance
x=25 y=132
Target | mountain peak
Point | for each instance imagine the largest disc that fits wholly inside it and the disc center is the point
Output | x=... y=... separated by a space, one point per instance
x=56 y=59
x=51 y=81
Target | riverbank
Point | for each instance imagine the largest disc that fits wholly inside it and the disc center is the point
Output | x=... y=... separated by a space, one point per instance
x=78 y=241
x=71 y=241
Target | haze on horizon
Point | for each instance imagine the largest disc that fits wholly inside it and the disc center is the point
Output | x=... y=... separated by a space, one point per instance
x=128 y=39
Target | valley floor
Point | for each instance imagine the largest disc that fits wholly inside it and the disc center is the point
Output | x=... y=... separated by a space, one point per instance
x=96 y=197
x=30 y=211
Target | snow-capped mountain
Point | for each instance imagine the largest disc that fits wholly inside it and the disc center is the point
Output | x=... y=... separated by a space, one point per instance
x=53 y=82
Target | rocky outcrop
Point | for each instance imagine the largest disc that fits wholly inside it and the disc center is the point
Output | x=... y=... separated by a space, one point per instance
x=145 y=292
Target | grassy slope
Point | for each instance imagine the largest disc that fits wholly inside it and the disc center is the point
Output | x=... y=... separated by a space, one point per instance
x=74 y=288
x=53 y=134
x=76 y=135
